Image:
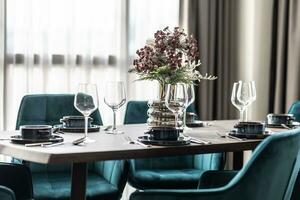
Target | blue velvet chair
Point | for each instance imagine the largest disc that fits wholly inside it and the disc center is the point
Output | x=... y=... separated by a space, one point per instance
x=6 y=193
x=295 y=109
x=166 y=172
x=136 y=112
x=269 y=175
x=15 y=182
x=106 y=180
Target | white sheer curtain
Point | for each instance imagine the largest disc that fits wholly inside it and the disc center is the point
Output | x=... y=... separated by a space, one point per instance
x=52 y=45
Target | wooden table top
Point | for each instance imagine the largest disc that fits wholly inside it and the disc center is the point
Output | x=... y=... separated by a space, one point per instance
x=112 y=147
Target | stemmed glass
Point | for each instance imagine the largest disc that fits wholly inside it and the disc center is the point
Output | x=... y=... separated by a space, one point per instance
x=243 y=94
x=176 y=99
x=115 y=97
x=191 y=98
x=86 y=102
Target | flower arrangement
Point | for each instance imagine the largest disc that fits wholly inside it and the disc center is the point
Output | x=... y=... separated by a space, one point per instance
x=170 y=58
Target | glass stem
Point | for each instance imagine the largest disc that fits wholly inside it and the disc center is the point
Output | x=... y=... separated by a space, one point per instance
x=241 y=115
x=245 y=115
x=86 y=120
x=184 y=118
x=114 y=118
x=176 y=120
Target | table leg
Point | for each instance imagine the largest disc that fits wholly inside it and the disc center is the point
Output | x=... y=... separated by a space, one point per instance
x=238 y=160
x=78 y=184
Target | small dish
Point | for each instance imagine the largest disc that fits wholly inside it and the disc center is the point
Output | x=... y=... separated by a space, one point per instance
x=195 y=123
x=292 y=125
x=91 y=129
x=75 y=121
x=146 y=139
x=17 y=139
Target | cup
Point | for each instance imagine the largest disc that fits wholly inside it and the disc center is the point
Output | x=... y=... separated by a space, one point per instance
x=167 y=134
x=250 y=127
x=75 y=121
x=36 y=132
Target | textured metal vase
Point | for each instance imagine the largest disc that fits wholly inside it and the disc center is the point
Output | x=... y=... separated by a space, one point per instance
x=159 y=116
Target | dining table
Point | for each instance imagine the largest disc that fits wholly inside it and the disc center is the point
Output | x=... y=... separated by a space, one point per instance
x=117 y=147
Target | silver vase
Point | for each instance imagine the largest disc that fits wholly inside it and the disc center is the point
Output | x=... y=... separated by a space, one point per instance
x=159 y=116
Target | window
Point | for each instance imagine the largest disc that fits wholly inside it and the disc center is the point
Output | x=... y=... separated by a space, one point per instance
x=52 y=45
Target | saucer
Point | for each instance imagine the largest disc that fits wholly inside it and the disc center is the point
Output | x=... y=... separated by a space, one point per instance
x=17 y=139
x=249 y=136
x=146 y=139
x=195 y=123
x=293 y=125
x=93 y=128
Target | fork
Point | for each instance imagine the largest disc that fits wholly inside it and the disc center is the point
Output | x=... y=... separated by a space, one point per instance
x=229 y=136
x=131 y=141
x=78 y=141
x=196 y=140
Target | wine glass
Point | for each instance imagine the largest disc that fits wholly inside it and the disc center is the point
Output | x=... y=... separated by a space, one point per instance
x=235 y=101
x=191 y=98
x=246 y=94
x=176 y=99
x=86 y=102
x=115 y=97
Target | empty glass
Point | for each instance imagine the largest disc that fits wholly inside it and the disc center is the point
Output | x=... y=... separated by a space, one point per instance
x=191 y=98
x=115 y=97
x=86 y=102
x=176 y=99
x=243 y=94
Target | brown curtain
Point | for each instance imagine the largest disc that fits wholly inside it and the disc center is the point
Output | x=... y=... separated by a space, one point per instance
x=285 y=59
x=214 y=24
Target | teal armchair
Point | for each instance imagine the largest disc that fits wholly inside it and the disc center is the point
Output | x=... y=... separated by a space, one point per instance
x=106 y=180
x=6 y=193
x=295 y=109
x=269 y=175
x=178 y=172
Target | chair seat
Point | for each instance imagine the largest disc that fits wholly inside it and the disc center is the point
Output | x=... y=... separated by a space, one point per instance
x=57 y=186
x=166 y=179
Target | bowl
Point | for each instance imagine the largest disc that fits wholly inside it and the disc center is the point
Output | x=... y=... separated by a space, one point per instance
x=278 y=119
x=250 y=127
x=166 y=134
x=75 y=121
x=36 y=132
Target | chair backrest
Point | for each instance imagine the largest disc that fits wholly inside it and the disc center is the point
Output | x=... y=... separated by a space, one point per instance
x=272 y=169
x=6 y=193
x=295 y=109
x=136 y=112
x=48 y=109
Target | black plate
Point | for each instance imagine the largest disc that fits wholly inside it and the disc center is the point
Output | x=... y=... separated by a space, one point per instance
x=293 y=125
x=249 y=136
x=181 y=141
x=195 y=123
x=17 y=139
x=93 y=128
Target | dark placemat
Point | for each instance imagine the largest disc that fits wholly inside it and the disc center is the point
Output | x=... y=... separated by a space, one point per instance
x=180 y=141
x=93 y=128
x=17 y=139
